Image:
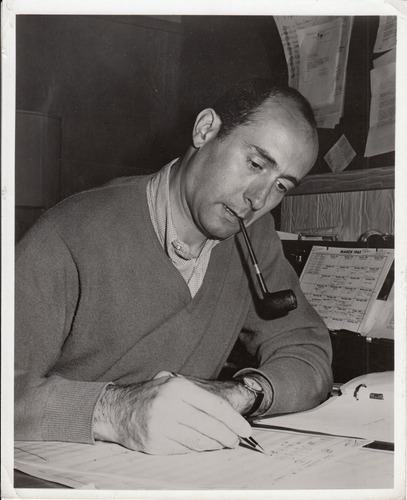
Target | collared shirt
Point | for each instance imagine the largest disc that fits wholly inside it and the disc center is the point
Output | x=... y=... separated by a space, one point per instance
x=191 y=268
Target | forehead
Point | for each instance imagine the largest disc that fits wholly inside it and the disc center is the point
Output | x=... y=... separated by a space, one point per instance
x=282 y=112
x=279 y=127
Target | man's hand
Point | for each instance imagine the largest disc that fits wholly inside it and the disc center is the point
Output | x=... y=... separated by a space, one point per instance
x=170 y=415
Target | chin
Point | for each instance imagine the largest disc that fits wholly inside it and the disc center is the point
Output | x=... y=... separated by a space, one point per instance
x=221 y=233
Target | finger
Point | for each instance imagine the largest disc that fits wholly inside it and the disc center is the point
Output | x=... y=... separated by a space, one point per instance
x=211 y=404
x=209 y=427
x=162 y=374
x=166 y=435
x=186 y=442
x=192 y=440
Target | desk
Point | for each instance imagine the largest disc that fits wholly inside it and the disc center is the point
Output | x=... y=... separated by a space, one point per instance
x=22 y=480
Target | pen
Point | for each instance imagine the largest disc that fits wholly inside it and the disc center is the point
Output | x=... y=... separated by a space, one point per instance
x=253 y=444
x=249 y=440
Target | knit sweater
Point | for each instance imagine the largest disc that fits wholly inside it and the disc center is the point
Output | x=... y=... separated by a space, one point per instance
x=98 y=301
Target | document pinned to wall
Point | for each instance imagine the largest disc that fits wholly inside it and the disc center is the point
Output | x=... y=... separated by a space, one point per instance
x=288 y=27
x=342 y=284
x=319 y=50
x=386 y=58
x=340 y=155
x=381 y=322
x=382 y=122
x=386 y=34
x=317 y=60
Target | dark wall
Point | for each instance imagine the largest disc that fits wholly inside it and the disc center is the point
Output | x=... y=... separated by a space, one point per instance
x=113 y=82
x=127 y=88
x=220 y=50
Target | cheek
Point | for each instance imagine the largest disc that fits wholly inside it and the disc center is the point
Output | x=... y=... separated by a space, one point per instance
x=219 y=182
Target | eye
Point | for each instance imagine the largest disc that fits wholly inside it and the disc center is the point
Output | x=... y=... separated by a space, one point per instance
x=255 y=166
x=282 y=187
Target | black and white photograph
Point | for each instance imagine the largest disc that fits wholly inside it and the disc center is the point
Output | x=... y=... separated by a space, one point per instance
x=204 y=250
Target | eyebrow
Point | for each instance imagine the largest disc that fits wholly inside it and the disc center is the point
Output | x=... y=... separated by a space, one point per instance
x=263 y=153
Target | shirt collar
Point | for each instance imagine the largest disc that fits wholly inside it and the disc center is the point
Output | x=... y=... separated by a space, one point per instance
x=160 y=208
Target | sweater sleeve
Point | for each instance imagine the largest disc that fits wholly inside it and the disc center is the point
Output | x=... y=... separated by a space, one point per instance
x=294 y=352
x=47 y=407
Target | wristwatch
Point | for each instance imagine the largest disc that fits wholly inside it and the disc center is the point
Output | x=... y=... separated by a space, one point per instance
x=255 y=387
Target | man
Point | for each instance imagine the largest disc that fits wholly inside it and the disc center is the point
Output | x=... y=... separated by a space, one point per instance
x=131 y=296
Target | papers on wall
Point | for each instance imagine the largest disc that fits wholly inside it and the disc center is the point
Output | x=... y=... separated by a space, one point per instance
x=110 y=466
x=340 y=155
x=386 y=58
x=316 y=50
x=283 y=235
x=365 y=409
x=386 y=34
x=342 y=284
x=381 y=318
x=319 y=49
x=381 y=137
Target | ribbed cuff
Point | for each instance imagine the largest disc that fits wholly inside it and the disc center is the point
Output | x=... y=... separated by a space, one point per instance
x=69 y=411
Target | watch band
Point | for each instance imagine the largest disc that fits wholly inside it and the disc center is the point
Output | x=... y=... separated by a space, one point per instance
x=259 y=396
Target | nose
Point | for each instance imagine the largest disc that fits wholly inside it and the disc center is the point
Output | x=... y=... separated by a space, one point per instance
x=258 y=194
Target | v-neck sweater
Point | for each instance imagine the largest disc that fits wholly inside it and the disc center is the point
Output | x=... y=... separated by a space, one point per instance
x=98 y=301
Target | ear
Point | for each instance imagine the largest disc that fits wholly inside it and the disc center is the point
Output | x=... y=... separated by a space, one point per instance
x=206 y=127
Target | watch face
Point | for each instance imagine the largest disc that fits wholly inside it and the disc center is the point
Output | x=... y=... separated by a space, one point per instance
x=253 y=384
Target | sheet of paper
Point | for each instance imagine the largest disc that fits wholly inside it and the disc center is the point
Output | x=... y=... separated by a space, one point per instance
x=387 y=58
x=386 y=34
x=283 y=235
x=350 y=472
x=340 y=155
x=381 y=137
x=328 y=115
x=343 y=283
x=109 y=466
x=383 y=321
x=359 y=412
x=288 y=26
x=319 y=52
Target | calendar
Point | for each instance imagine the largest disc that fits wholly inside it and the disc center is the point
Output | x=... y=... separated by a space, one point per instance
x=342 y=284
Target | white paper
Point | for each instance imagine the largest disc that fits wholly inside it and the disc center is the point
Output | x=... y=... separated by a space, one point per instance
x=342 y=284
x=356 y=413
x=381 y=137
x=110 y=466
x=382 y=325
x=350 y=472
x=288 y=27
x=340 y=155
x=319 y=53
x=386 y=34
x=284 y=235
x=328 y=115
x=386 y=58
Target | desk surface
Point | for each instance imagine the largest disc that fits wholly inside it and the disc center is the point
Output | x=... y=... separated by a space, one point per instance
x=22 y=480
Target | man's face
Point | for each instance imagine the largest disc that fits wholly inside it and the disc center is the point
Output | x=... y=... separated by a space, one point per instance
x=250 y=170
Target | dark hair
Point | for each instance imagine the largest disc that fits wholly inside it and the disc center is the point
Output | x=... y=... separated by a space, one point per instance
x=241 y=102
